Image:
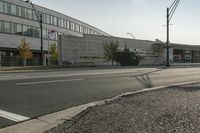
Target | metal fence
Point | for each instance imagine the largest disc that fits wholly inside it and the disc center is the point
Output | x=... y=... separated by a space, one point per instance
x=17 y=61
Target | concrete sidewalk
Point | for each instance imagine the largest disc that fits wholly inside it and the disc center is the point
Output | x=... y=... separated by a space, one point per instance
x=27 y=69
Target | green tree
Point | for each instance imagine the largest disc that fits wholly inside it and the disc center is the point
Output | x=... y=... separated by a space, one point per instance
x=54 y=52
x=128 y=58
x=25 y=51
x=111 y=51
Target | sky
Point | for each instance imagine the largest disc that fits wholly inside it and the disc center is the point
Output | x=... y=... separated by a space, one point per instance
x=145 y=19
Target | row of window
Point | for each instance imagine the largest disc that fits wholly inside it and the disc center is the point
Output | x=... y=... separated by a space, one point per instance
x=25 y=30
x=27 y=13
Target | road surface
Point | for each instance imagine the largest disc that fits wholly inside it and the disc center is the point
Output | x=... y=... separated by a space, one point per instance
x=29 y=95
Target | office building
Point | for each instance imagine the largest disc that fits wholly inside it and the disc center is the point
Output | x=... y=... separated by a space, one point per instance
x=18 y=20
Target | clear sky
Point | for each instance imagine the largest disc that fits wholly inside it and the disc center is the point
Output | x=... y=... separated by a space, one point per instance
x=143 y=18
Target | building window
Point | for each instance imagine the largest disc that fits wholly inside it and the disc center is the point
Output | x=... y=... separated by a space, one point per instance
x=25 y=30
x=88 y=31
x=18 y=29
x=55 y=21
x=92 y=32
x=59 y=22
x=72 y=26
x=84 y=30
x=68 y=25
x=30 y=13
x=48 y=19
x=23 y=12
x=62 y=23
x=26 y=12
x=30 y=31
x=1 y=6
x=12 y=28
x=6 y=27
x=44 y=20
x=45 y=34
x=19 y=11
x=13 y=9
x=36 y=32
x=6 y=8
x=77 y=28
x=51 y=20
x=81 y=29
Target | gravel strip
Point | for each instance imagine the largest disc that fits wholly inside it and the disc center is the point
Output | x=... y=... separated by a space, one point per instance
x=171 y=110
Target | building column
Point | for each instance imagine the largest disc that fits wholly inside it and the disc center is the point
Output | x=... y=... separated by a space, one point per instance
x=59 y=46
x=44 y=59
x=0 y=58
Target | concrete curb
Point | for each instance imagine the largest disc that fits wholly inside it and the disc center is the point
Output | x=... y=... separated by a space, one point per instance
x=49 y=121
x=89 y=68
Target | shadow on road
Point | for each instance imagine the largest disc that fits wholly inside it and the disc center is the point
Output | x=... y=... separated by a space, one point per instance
x=144 y=78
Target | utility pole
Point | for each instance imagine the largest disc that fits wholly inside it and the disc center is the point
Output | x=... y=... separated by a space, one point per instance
x=167 y=63
x=39 y=20
x=41 y=48
x=170 y=13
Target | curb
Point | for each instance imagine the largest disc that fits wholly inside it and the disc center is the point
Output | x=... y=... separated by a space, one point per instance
x=49 y=121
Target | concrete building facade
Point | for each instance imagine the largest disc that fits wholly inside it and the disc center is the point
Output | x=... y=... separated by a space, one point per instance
x=18 y=20
x=183 y=53
x=88 y=49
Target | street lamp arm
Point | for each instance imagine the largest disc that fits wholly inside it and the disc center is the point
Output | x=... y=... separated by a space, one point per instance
x=35 y=11
x=131 y=35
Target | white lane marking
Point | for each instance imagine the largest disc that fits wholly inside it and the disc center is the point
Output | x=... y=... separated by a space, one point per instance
x=12 y=116
x=50 y=81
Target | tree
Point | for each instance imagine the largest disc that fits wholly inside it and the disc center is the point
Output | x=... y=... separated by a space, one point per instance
x=25 y=51
x=53 y=51
x=111 y=51
x=128 y=58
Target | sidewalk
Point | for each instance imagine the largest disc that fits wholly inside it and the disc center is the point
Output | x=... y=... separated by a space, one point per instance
x=27 y=69
x=21 y=69
x=170 y=110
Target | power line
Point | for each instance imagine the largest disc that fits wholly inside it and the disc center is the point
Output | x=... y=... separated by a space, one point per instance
x=171 y=13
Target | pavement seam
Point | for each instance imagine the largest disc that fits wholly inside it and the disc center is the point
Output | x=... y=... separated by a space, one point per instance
x=74 y=111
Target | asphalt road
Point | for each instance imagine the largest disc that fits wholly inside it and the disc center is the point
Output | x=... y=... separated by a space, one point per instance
x=39 y=93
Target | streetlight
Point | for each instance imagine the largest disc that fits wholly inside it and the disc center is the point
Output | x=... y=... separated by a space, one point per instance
x=39 y=20
x=131 y=35
x=170 y=13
